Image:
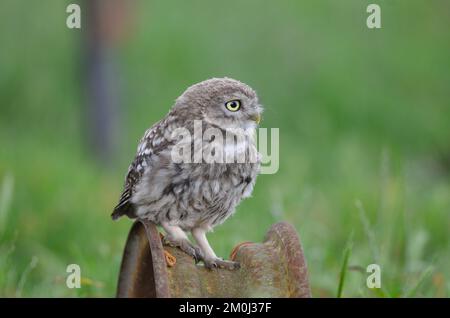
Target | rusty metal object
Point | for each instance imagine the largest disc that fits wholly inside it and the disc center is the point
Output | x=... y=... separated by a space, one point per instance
x=274 y=268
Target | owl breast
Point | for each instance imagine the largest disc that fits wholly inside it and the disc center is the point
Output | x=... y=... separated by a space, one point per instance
x=190 y=195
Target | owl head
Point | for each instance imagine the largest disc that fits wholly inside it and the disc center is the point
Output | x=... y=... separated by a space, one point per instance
x=224 y=102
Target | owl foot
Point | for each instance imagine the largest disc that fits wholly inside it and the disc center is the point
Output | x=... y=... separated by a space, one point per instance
x=221 y=263
x=185 y=246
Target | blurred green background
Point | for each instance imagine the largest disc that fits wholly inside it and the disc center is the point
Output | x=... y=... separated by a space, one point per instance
x=364 y=120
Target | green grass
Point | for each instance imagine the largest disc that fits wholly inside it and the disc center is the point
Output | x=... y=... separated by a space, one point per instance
x=364 y=128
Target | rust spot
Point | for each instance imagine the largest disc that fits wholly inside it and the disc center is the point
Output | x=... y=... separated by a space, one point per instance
x=236 y=248
x=170 y=259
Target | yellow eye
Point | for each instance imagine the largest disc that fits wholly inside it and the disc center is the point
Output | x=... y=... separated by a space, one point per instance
x=233 y=105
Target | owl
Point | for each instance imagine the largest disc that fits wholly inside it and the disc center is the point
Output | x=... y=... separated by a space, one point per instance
x=194 y=166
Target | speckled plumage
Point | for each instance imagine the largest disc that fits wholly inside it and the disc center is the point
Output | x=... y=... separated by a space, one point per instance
x=194 y=196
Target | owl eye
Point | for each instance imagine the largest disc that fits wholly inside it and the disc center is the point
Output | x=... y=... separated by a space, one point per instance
x=233 y=105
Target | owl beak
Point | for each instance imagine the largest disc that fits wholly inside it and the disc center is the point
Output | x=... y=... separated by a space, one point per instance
x=256 y=118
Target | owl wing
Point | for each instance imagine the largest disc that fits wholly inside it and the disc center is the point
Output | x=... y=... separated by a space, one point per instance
x=150 y=145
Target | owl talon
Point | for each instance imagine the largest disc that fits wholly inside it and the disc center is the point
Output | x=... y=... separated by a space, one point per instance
x=185 y=246
x=220 y=263
x=210 y=264
x=168 y=242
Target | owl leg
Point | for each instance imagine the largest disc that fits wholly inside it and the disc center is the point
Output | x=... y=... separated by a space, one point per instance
x=176 y=237
x=209 y=257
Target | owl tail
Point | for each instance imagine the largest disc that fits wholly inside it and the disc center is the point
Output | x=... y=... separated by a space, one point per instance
x=124 y=207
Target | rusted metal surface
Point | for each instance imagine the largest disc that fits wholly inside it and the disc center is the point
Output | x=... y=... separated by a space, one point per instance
x=273 y=268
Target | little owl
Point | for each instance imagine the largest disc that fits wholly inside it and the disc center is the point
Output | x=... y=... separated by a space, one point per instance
x=196 y=194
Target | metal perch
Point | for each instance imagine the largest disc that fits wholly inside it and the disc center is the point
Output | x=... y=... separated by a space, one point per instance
x=274 y=268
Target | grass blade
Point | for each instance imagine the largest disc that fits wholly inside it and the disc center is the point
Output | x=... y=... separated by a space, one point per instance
x=6 y=194
x=424 y=275
x=344 y=266
x=368 y=231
